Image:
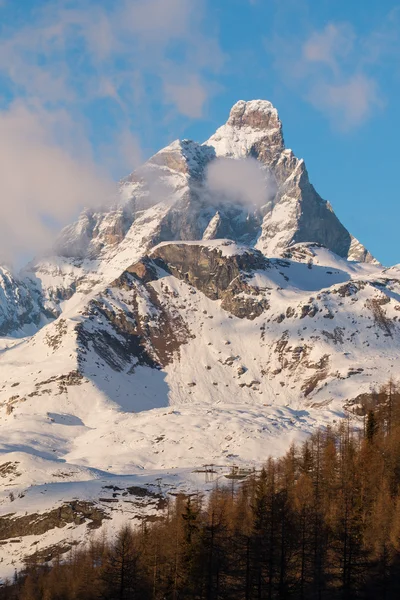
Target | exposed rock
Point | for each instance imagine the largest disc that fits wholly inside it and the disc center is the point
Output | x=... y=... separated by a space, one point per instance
x=76 y=512
x=144 y=270
x=54 y=340
x=321 y=373
x=375 y=305
x=219 y=277
x=20 y=304
x=129 y=337
x=8 y=469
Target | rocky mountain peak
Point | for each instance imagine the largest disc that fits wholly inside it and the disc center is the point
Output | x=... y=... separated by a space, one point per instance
x=252 y=129
x=258 y=114
x=183 y=156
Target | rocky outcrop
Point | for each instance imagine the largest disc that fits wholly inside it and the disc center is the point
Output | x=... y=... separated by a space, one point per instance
x=75 y=512
x=206 y=267
x=219 y=276
x=127 y=334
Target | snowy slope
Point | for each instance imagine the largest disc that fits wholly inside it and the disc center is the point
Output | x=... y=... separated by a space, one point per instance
x=203 y=352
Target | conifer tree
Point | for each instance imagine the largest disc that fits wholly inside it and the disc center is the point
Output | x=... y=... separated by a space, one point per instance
x=121 y=573
x=372 y=426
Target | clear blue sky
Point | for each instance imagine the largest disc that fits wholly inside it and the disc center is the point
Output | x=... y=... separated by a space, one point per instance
x=111 y=83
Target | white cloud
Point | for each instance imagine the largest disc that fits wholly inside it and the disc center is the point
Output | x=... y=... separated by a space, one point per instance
x=328 y=46
x=42 y=184
x=158 y=19
x=331 y=73
x=240 y=180
x=189 y=97
x=349 y=102
x=113 y=44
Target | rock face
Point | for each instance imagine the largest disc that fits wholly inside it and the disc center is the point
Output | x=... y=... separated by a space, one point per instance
x=216 y=273
x=297 y=213
x=207 y=267
x=134 y=316
x=37 y=524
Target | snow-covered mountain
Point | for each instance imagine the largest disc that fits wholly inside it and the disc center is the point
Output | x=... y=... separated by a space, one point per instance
x=169 y=198
x=183 y=326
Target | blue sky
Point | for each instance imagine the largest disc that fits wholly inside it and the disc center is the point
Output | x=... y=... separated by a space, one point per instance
x=89 y=89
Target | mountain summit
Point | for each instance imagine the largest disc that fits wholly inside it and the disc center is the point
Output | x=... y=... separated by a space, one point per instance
x=176 y=178
x=297 y=213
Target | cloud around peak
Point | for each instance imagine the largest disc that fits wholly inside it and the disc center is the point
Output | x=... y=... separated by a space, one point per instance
x=243 y=181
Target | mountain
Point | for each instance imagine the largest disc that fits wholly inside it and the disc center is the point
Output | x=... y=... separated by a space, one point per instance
x=169 y=198
x=185 y=325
